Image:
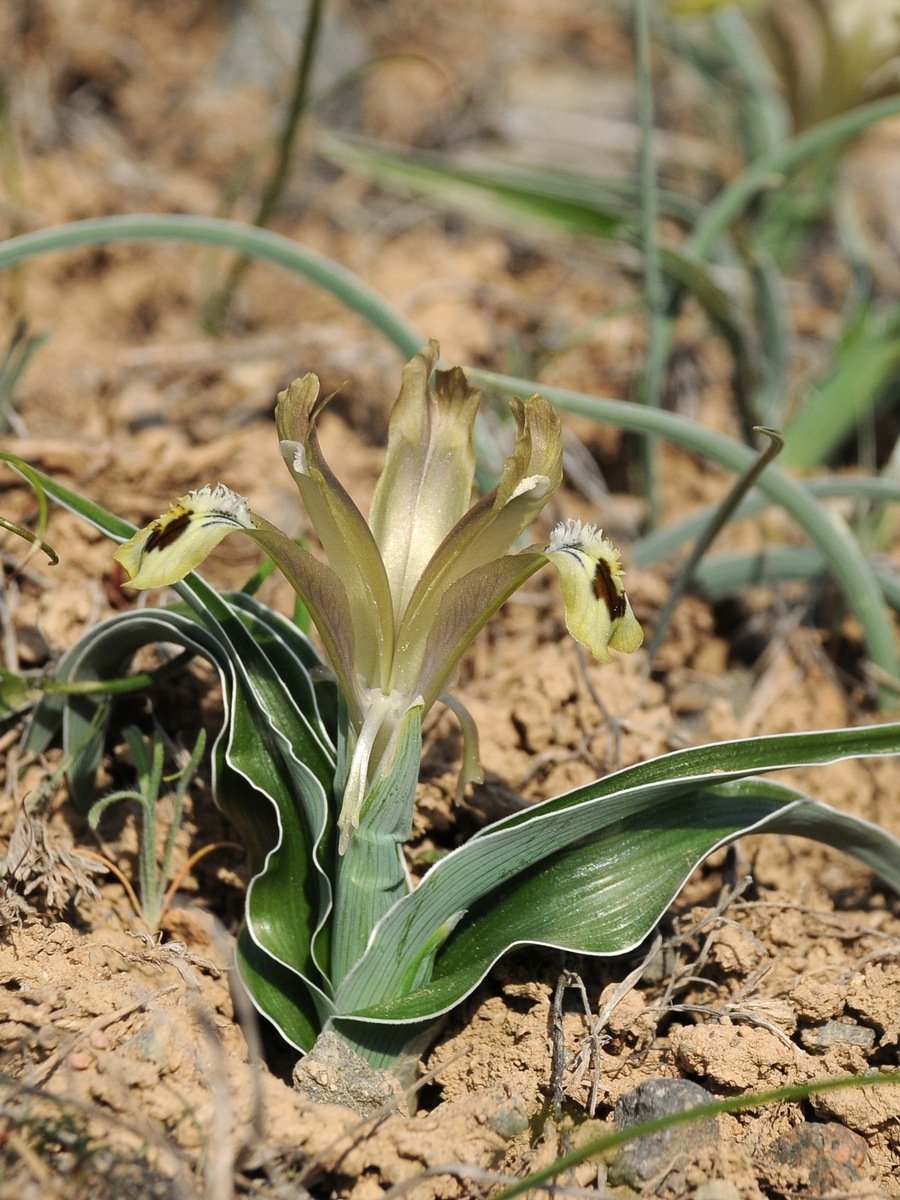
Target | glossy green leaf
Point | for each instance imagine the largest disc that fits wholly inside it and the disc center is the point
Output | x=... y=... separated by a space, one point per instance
x=272 y=763
x=275 y=800
x=631 y=839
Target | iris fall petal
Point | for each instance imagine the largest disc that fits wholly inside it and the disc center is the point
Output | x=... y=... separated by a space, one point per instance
x=598 y=612
x=175 y=543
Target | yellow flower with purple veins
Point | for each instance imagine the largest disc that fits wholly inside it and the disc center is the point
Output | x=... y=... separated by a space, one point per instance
x=403 y=595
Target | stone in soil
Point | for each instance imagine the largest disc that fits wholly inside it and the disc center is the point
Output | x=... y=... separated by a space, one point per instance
x=664 y=1154
x=333 y=1073
x=816 y=1159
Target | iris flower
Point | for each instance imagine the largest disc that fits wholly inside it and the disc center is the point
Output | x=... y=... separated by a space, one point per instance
x=403 y=595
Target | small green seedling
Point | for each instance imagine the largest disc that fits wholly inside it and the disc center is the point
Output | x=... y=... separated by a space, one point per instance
x=153 y=874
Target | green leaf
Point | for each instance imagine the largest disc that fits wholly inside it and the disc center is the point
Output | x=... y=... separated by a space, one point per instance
x=663 y=542
x=767 y=171
x=747 y=70
x=294 y=1010
x=272 y=763
x=607 y=894
x=725 y=574
x=292 y=656
x=594 y=869
x=371 y=874
x=575 y=204
x=862 y=367
x=275 y=799
x=17 y=692
x=37 y=481
x=489 y=188
x=21 y=349
x=603 y=1147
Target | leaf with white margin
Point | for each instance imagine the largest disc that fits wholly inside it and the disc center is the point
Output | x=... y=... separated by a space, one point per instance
x=547 y=867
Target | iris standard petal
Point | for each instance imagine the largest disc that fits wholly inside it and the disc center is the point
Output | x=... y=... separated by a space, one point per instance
x=426 y=484
x=485 y=533
x=341 y=528
x=463 y=611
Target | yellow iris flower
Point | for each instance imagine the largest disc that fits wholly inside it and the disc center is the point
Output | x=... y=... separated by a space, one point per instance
x=403 y=595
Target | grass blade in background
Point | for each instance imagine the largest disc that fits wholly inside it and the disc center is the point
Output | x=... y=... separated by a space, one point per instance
x=21 y=349
x=651 y=378
x=764 y=116
x=724 y=574
x=661 y=543
x=552 y=200
x=496 y=191
x=601 y=1148
x=720 y=517
x=245 y=239
x=864 y=362
x=763 y=174
x=217 y=306
x=36 y=480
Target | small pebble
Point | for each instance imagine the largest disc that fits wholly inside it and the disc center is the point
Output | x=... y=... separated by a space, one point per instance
x=510 y=1119
x=333 y=1073
x=654 y=1153
x=817 y=1158
x=838 y=1033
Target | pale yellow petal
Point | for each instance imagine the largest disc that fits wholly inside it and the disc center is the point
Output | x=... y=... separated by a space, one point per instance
x=426 y=484
x=483 y=536
x=339 y=525
x=173 y=545
x=598 y=612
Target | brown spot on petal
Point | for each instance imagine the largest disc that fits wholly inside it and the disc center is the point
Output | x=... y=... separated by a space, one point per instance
x=605 y=589
x=166 y=533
